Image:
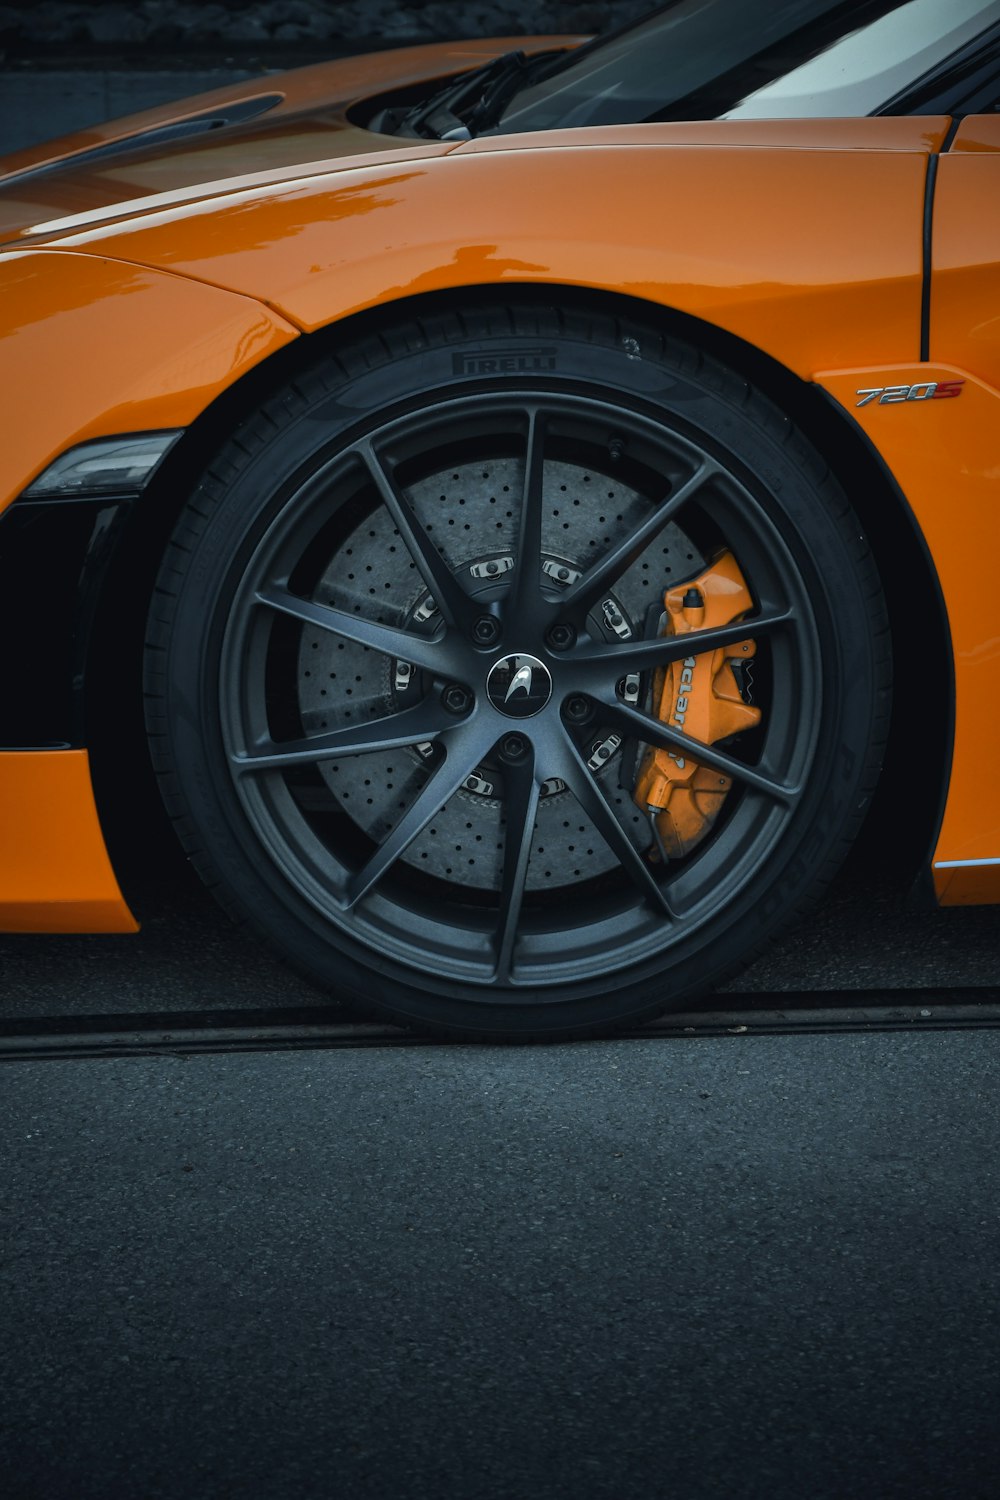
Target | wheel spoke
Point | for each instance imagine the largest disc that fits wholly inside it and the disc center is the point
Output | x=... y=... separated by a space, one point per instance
x=521 y=792
x=465 y=747
x=581 y=596
x=411 y=726
x=590 y=795
x=638 y=656
x=430 y=652
x=526 y=591
x=456 y=606
x=654 y=732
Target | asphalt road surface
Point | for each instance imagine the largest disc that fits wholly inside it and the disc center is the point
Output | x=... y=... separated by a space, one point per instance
x=722 y=1268
x=704 y=1267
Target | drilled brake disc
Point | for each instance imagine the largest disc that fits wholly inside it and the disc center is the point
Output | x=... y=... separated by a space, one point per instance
x=471 y=510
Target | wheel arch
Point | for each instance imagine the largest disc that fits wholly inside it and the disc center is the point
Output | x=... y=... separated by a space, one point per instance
x=903 y=821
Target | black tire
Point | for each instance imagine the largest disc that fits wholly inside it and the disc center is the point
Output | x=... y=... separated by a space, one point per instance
x=381 y=491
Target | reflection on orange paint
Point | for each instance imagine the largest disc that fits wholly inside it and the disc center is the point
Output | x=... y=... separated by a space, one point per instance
x=89 y=348
x=969 y=885
x=757 y=244
x=55 y=875
x=886 y=133
x=977 y=133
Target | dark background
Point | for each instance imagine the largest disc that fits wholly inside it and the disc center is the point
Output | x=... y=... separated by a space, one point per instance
x=65 y=66
x=29 y=30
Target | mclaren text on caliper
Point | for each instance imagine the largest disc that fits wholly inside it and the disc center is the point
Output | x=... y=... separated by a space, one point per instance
x=705 y=695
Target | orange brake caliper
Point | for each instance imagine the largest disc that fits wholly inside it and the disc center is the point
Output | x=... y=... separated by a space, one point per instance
x=699 y=695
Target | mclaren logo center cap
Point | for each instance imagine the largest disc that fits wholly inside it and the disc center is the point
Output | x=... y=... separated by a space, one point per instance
x=519 y=686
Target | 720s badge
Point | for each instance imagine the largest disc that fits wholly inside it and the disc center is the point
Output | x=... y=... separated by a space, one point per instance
x=924 y=390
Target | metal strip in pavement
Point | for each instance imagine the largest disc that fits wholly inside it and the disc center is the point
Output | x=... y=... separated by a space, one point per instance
x=184 y=1033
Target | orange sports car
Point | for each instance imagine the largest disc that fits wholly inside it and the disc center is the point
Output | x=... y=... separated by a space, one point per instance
x=517 y=497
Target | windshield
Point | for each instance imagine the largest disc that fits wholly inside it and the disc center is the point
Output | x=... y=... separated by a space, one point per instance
x=737 y=59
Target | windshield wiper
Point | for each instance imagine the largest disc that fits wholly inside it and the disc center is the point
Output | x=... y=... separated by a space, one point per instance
x=499 y=91
x=467 y=105
x=438 y=117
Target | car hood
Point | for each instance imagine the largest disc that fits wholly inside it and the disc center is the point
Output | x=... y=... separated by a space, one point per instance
x=268 y=127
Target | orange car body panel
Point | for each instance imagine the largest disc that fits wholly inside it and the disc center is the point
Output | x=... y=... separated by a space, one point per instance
x=803 y=238
x=90 y=348
x=965 y=329
x=977 y=133
x=55 y=874
x=955 y=507
x=965 y=306
x=761 y=244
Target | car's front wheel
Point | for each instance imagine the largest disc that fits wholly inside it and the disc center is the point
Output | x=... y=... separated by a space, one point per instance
x=517 y=674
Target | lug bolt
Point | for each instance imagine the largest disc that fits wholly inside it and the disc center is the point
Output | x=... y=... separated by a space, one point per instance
x=514 y=747
x=577 y=709
x=561 y=637
x=486 y=631
x=456 y=698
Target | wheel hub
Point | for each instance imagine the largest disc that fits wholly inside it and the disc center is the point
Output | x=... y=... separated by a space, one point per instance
x=519 y=686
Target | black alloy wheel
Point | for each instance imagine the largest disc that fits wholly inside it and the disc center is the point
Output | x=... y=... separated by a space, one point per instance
x=402 y=660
